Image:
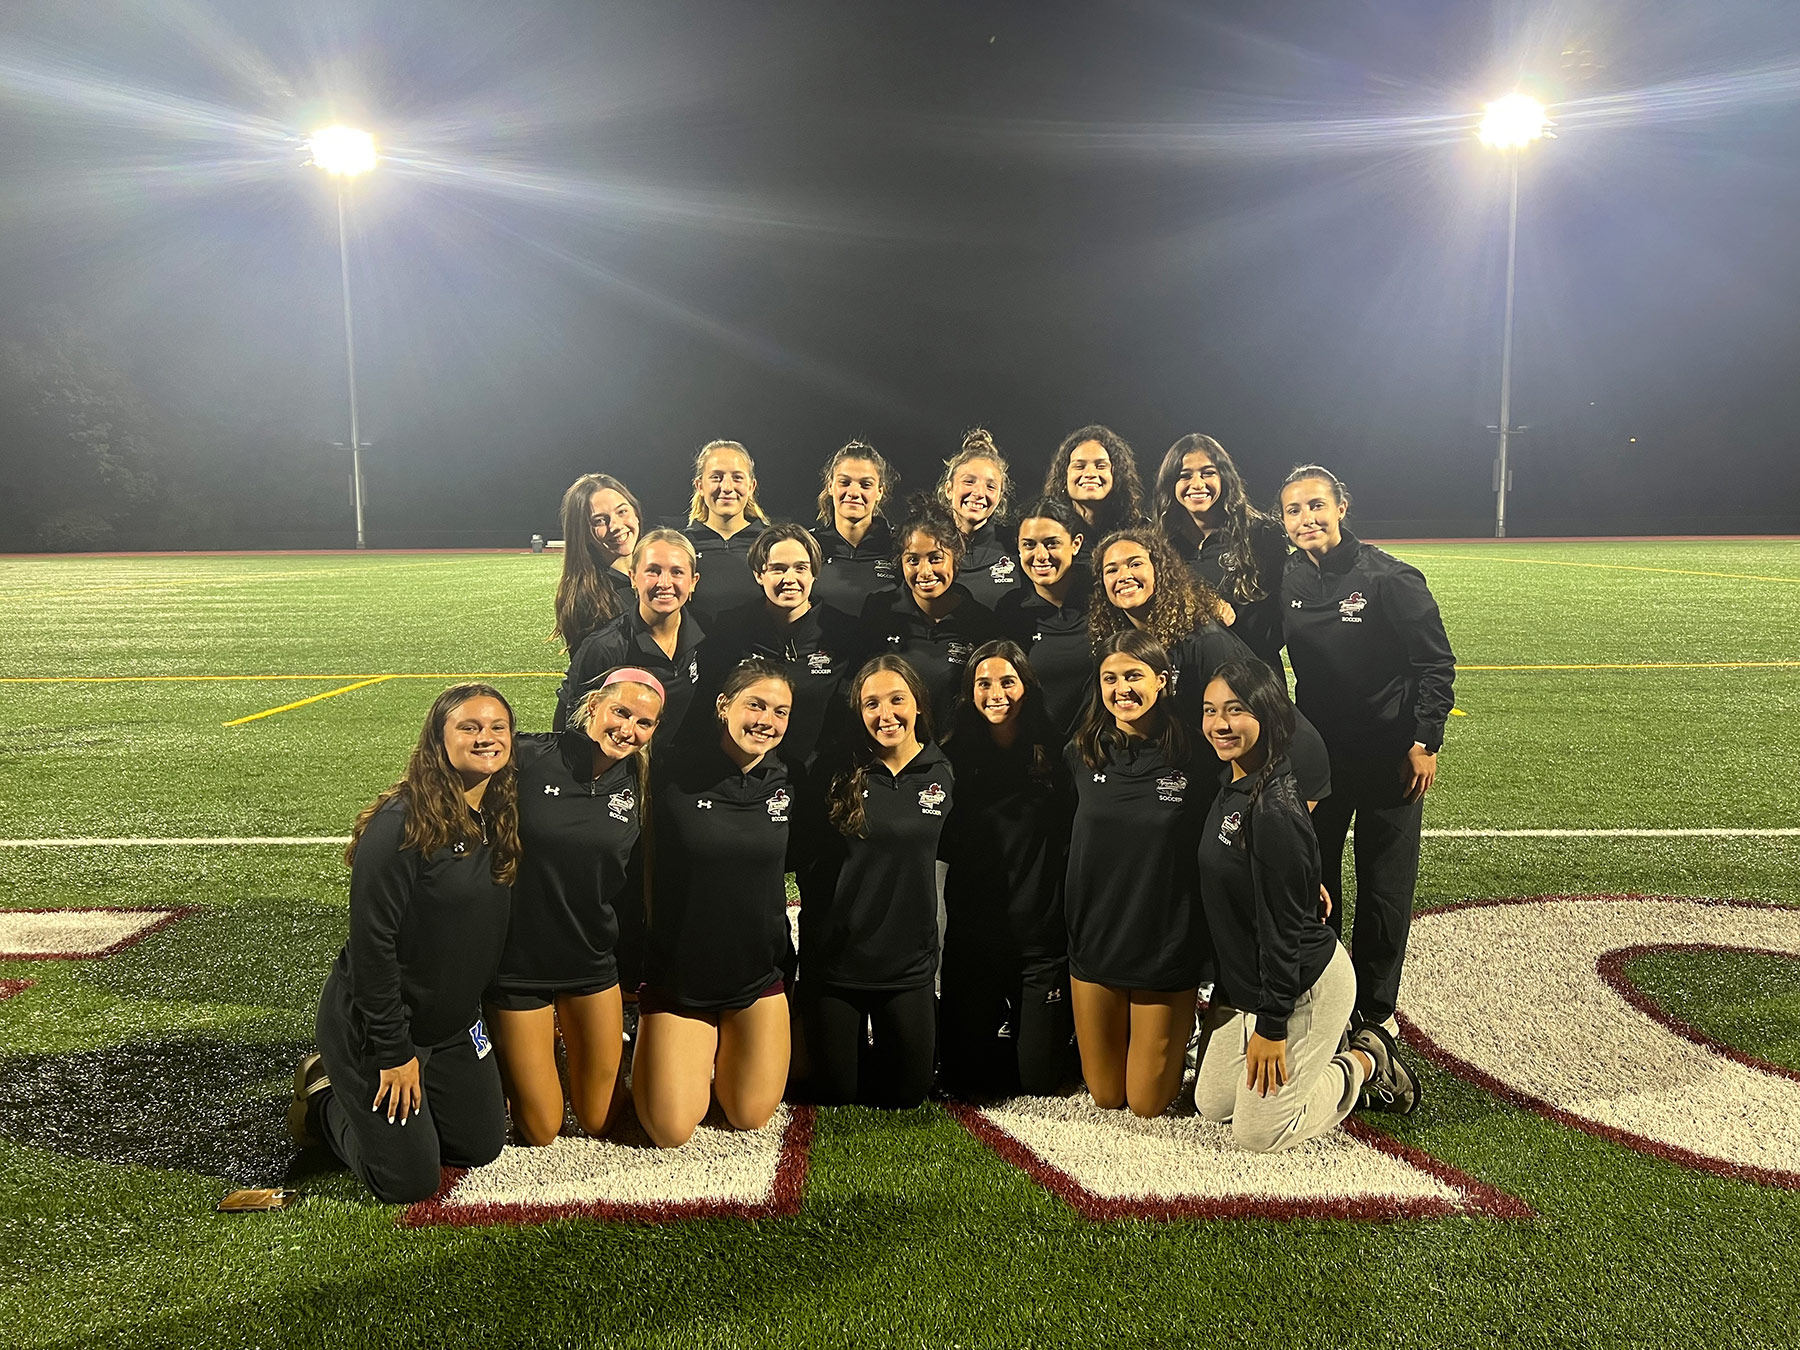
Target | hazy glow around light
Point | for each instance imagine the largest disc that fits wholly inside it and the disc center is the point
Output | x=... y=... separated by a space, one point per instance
x=343 y=152
x=1513 y=122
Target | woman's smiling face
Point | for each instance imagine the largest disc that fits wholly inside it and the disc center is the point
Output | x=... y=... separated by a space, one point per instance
x=1128 y=575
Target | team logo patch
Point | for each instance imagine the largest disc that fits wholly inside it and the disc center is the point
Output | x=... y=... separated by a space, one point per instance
x=931 y=800
x=778 y=806
x=694 y=671
x=620 y=804
x=1171 y=787
x=1111 y=1165
x=478 y=1037
x=1229 y=827
x=1002 y=571
x=818 y=663
x=1350 y=608
x=885 y=569
x=956 y=653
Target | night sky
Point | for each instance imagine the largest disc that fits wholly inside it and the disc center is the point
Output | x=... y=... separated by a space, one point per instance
x=603 y=234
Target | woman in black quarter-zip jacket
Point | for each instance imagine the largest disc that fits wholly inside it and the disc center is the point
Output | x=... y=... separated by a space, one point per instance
x=868 y=897
x=1374 y=671
x=714 y=1018
x=1137 y=941
x=582 y=794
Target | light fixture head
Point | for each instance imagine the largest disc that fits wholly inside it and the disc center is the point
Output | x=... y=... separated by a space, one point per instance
x=1513 y=122
x=343 y=152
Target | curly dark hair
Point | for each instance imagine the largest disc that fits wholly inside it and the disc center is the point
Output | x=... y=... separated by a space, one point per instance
x=1178 y=605
x=1124 y=505
x=437 y=814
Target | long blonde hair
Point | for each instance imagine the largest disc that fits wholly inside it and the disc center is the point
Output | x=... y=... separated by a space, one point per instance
x=697 y=506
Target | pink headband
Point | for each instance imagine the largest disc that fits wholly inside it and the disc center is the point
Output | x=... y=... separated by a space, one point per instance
x=635 y=675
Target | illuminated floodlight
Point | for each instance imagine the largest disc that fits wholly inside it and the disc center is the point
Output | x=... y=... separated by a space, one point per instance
x=1513 y=122
x=343 y=152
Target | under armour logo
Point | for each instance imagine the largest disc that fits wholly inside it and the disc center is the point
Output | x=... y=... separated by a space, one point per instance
x=1099 y=778
x=895 y=639
x=703 y=805
x=550 y=790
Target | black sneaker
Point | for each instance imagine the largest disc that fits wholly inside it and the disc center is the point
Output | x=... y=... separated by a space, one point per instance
x=1392 y=1087
x=310 y=1086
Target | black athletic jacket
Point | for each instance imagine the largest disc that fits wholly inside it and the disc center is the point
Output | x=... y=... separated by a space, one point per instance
x=868 y=906
x=718 y=899
x=1259 y=877
x=626 y=641
x=852 y=574
x=989 y=566
x=1007 y=849
x=1196 y=658
x=893 y=622
x=1373 y=667
x=1215 y=561
x=1056 y=643
x=724 y=568
x=578 y=832
x=819 y=651
x=1132 y=896
x=425 y=936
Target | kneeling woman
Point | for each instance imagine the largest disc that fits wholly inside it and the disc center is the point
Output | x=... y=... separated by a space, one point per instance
x=401 y=1041
x=582 y=794
x=714 y=1017
x=868 y=893
x=1137 y=944
x=1006 y=947
x=1269 y=1059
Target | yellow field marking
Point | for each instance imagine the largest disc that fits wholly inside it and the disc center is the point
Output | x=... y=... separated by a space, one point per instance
x=1647 y=665
x=269 y=679
x=289 y=707
x=1614 y=567
x=1458 y=712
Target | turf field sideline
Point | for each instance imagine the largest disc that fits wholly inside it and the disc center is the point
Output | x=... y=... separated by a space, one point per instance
x=1612 y=687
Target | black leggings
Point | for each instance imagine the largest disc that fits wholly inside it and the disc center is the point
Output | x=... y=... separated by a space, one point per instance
x=461 y=1121
x=894 y=1070
x=979 y=998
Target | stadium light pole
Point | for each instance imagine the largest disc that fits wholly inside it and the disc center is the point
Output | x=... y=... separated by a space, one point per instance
x=345 y=154
x=1508 y=125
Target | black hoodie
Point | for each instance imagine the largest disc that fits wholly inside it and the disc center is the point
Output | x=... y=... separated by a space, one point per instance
x=868 y=905
x=718 y=897
x=1133 y=892
x=1259 y=876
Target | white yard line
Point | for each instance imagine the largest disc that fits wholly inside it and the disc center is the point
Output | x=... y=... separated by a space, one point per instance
x=142 y=840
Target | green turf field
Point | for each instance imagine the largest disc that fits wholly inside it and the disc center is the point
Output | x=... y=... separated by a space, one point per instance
x=1603 y=687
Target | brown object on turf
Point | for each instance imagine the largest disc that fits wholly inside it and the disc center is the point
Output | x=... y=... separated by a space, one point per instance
x=310 y=1080
x=254 y=1201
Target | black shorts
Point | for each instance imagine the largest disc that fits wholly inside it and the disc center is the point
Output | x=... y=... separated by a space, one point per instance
x=530 y=1000
x=654 y=1000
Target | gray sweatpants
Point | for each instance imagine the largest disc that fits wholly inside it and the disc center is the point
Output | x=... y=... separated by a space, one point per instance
x=1322 y=1085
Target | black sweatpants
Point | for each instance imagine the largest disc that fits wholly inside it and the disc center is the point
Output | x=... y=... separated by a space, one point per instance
x=461 y=1121
x=1387 y=871
x=893 y=1068
x=979 y=997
